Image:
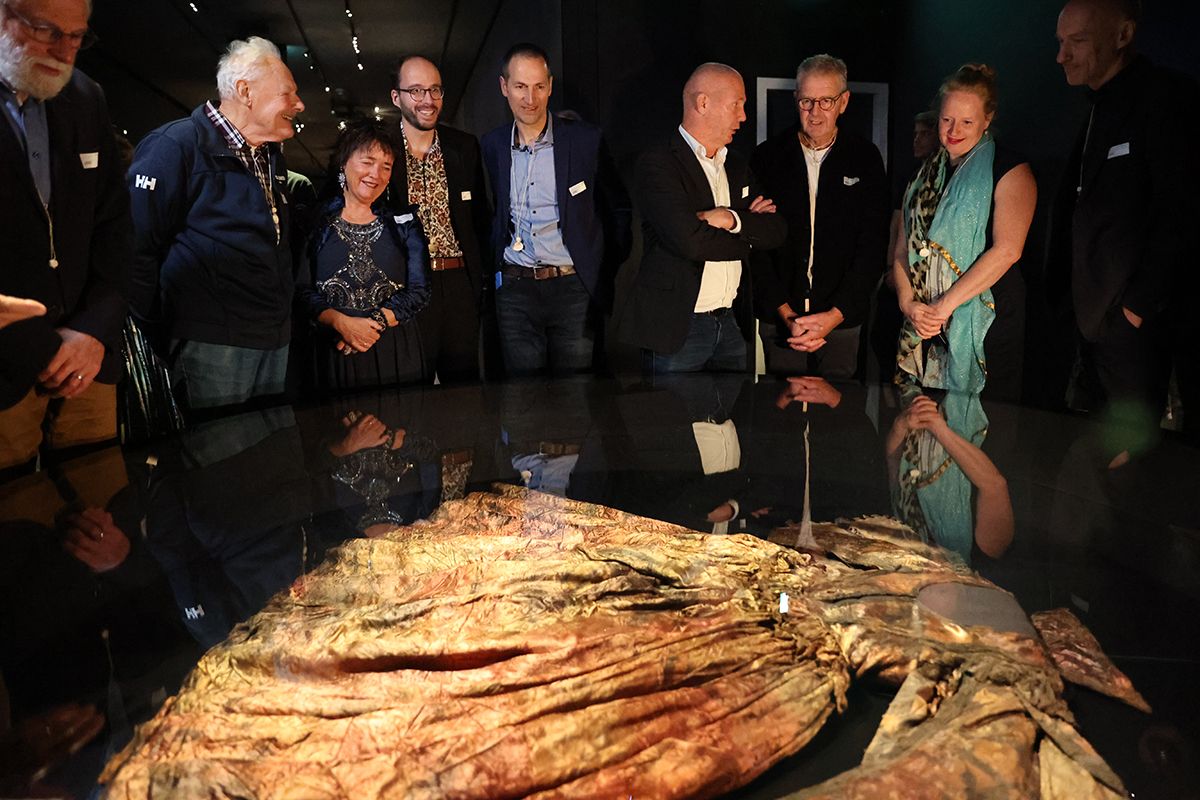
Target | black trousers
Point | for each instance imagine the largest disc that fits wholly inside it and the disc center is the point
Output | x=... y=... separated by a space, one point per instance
x=1131 y=368
x=450 y=328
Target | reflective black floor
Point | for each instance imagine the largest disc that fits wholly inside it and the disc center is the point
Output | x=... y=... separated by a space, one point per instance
x=207 y=525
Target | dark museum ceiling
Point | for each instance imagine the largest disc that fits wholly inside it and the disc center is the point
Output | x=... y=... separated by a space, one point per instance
x=157 y=59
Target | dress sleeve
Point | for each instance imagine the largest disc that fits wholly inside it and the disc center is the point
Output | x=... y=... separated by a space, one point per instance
x=410 y=236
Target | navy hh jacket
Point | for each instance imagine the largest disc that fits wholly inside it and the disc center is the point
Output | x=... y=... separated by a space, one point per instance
x=207 y=264
x=90 y=211
x=595 y=220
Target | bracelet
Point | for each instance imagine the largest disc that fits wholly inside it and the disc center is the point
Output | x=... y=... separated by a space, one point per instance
x=378 y=316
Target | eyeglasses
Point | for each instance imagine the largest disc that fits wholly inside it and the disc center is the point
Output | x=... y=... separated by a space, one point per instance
x=825 y=103
x=46 y=33
x=417 y=92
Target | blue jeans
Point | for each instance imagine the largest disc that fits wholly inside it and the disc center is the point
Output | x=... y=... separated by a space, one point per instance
x=215 y=375
x=544 y=324
x=714 y=343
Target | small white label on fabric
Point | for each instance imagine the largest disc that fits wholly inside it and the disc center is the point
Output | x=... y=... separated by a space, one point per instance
x=578 y=188
x=144 y=182
x=466 y=195
x=403 y=218
x=783 y=603
x=1118 y=150
x=849 y=181
x=89 y=160
x=745 y=192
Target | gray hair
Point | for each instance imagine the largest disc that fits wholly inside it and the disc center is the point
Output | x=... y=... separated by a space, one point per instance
x=822 y=64
x=243 y=60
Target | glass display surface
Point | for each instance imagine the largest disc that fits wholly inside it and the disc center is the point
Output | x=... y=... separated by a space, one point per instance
x=122 y=566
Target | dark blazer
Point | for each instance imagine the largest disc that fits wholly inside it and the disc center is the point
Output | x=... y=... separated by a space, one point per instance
x=90 y=209
x=853 y=215
x=1128 y=236
x=671 y=188
x=595 y=222
x=470 y=216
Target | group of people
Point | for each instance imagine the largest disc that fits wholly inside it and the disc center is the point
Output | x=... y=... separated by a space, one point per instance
x=204 y=242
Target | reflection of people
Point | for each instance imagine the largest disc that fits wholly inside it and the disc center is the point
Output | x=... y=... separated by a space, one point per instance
x=212 y=271
x=1126 y=215
x=81 y=619
x=813 y=293
x=702 y=213
x=365 y=274
x=440 y=171
x=966 y=216
x=561 y=224
x=65 y=236
x=944 y=486
x=382 y=475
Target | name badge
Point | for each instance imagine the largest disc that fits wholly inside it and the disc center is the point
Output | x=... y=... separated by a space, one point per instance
x=578 y=188
x=1118 y=150
x=89 y=160
x=847 y=180
x=745 y=192
x=466 y=195
x=403 y=218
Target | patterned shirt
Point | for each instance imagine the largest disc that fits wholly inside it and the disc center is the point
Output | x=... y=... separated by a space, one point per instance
x=428 y=189
x=256 y=160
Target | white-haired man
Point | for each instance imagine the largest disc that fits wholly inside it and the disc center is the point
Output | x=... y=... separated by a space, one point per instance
x=813 y=293
x=212 y=270
x=65 y=236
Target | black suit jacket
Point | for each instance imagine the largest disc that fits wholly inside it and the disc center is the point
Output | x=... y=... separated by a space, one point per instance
x=595 y=220
x=469 y=211
x=1128 y=236
x=671 y=188
x=92 y=236
x=853 y=215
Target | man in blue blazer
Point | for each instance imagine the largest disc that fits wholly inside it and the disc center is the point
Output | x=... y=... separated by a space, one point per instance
x=561 y=226
x=65 y=237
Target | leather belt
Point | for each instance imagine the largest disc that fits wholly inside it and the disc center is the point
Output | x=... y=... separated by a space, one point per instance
x=438 y=264
x=537 y=273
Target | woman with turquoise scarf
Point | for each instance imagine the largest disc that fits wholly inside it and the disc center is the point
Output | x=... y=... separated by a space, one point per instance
x=966 y=215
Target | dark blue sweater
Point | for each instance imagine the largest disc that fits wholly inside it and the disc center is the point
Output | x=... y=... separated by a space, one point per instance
x=207 y=265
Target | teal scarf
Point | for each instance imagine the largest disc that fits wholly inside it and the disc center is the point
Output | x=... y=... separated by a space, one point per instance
x=946 y=221
x=932 y=494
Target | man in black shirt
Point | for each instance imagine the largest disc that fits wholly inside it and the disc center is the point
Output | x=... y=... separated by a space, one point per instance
x=1130 y=208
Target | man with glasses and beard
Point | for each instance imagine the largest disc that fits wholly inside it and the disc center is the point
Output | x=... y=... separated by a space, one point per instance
x=65 y=237
x=442 y=173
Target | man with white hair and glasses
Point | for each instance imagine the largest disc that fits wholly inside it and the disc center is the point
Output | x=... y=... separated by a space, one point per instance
x=65 y=236
x=829 y=184
x=212 y=270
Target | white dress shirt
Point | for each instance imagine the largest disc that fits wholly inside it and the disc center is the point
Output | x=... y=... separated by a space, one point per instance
x=719 y=283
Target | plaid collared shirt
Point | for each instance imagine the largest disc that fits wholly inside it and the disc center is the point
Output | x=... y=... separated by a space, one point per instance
x=256 y=160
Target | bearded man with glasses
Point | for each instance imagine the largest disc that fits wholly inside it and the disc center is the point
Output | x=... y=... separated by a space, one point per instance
x=65 y=238
x=813 y=293
x=442 y=173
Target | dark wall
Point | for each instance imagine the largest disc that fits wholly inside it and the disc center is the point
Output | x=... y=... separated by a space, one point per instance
x=625 y=61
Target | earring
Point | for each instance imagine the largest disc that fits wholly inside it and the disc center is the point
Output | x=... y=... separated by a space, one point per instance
x=342 y=179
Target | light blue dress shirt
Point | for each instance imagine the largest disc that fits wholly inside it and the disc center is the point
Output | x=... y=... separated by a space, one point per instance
x=533 y=203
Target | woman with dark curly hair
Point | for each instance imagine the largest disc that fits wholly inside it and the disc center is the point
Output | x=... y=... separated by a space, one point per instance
x=365 y=272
